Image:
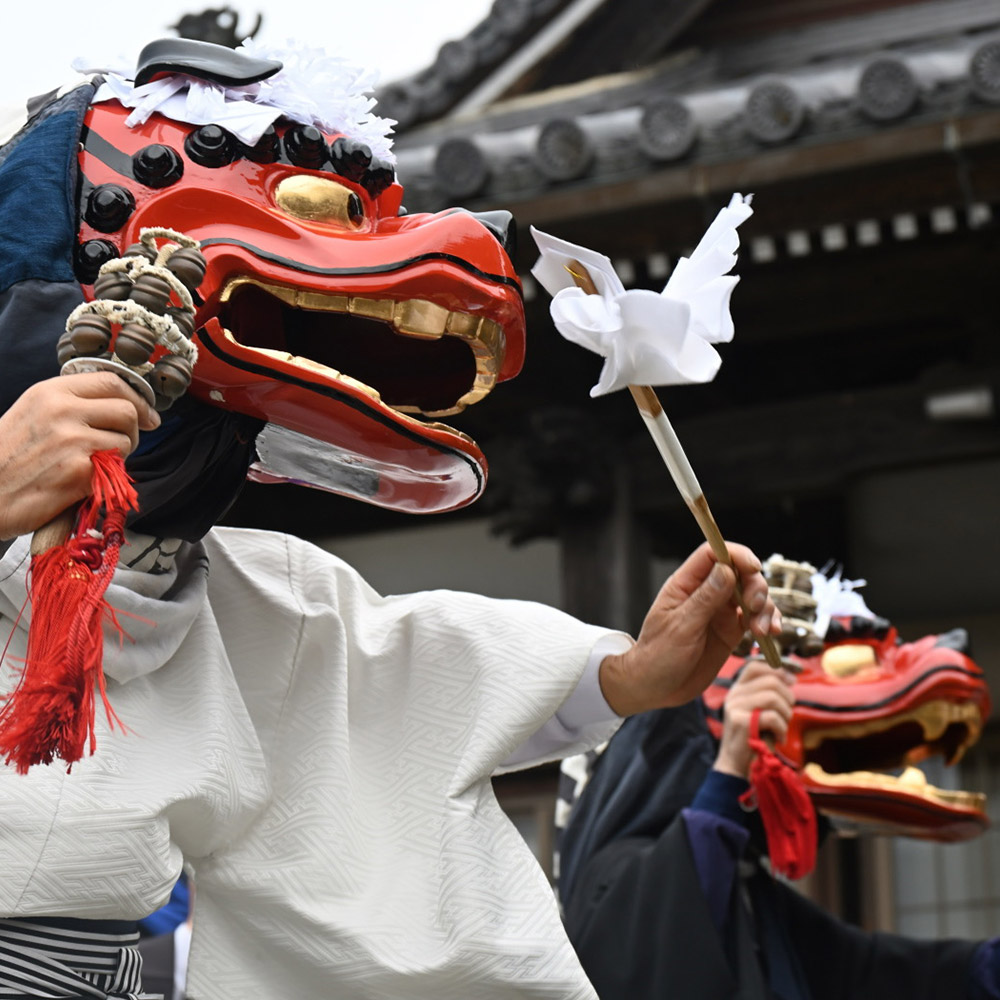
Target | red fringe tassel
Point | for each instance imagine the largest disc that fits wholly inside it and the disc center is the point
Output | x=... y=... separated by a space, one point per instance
x=786 y=810
x=51 y=712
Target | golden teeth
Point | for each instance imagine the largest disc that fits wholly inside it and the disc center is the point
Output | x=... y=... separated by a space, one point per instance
x=450 y=430
x=371 y=308
x=268 y=352
x=310 y=365
x=410 y=318
x=912 y=780
x=934 y=717
x=465 y=326
x=358 y=384
x=419 y=318
x=318 y=302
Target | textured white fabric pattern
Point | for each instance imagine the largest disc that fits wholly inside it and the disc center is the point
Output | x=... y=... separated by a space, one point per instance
x=321 y=756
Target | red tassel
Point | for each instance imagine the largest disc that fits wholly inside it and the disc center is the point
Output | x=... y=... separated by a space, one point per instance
x=51 y=712
x=786 y=809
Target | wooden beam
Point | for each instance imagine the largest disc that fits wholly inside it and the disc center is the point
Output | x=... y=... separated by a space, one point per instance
x=909 y=152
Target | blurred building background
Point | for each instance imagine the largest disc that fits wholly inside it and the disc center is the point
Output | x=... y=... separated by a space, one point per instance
x=855 y=415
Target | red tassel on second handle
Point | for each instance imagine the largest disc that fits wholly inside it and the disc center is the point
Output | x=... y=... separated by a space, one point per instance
x=786 y=810
x=51 y=712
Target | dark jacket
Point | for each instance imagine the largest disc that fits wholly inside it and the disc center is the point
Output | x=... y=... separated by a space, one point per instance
x=636 y=908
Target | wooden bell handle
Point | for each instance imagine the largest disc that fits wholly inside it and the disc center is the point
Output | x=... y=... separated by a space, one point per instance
x=55 y=532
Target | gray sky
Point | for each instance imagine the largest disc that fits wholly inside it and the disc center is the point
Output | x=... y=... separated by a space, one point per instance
x=397 y=37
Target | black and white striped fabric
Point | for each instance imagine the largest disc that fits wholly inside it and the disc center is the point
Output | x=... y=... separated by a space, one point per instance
x=69 y=960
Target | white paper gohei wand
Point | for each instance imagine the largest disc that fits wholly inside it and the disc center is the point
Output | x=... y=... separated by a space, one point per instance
x=654 y=338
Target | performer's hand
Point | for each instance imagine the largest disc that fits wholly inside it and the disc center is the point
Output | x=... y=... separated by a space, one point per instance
x=48 y=436
x=692 y=627
x=758 y=686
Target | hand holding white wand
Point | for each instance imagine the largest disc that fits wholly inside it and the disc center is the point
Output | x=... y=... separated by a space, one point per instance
x=669 y=446
x=658 y=338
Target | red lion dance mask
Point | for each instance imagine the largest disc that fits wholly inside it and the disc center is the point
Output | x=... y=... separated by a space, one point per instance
x=326 y=311
x=868 y=709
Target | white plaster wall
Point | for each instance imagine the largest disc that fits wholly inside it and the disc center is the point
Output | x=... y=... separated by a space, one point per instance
x=456 y=556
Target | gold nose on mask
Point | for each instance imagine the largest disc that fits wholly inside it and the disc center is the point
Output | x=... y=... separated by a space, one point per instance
x=318 y=199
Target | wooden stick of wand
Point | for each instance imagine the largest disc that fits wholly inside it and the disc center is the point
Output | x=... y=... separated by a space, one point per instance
x=669 y=447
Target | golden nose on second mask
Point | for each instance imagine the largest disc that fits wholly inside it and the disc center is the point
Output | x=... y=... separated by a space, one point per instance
x=319 y=199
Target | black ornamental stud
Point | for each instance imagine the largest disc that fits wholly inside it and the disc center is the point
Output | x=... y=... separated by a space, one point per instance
x=305 y=147
x=108 y=207
x=267 y=149
x=157 y=166
x=90 y=257
x=211 y=146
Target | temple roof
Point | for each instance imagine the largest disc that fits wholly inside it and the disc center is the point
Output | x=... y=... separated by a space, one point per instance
x=697 y=94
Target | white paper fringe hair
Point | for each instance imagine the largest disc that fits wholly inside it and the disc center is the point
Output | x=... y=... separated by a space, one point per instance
x=836 y=597
x=312 y=88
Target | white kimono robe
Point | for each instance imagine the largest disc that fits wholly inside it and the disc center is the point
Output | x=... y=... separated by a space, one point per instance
x=321 y=756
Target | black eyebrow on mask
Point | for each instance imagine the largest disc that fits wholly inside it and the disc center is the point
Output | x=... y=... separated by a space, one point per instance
x=109 y=154
x=397 y=265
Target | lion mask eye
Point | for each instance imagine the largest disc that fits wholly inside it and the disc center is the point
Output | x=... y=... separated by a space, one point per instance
x=848 y=659
x=317 y=199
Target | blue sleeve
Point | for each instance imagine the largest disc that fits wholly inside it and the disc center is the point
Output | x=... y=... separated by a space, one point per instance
x=717 y=831
x=172 y=913
x=984 y=972
x=720 y=794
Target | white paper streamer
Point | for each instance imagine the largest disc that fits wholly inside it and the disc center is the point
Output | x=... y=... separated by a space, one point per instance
x=837 y=597
x=645 y=337
x=312 y=88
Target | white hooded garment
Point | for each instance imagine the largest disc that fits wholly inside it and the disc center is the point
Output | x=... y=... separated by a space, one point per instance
x=321 y=756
